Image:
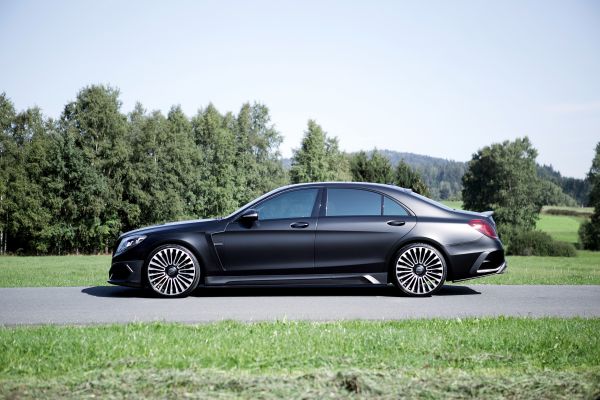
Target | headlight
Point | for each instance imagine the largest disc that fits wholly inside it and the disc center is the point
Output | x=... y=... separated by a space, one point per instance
x=128 y=242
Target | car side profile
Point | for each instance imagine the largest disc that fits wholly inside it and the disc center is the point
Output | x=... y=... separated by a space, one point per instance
x=315 y=234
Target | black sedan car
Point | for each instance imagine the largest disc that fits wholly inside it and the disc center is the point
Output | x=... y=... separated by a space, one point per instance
x=315 y=234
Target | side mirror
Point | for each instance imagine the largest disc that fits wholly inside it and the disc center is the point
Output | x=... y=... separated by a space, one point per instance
x=249 y=216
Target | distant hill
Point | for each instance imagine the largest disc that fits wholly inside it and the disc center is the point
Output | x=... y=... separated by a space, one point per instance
x=444 y=177
x=579 y=189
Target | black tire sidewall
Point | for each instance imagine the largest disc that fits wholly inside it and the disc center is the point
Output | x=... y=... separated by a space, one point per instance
x=407 y=247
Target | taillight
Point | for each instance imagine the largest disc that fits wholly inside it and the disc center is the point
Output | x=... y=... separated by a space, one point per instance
x=484 y=227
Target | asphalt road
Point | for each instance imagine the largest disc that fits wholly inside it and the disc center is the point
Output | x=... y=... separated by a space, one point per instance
x=108 y=304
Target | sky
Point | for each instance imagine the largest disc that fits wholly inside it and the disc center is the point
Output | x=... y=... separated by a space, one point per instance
x=441 y=78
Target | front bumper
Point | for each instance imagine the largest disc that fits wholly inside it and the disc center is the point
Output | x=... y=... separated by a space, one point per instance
x=126 y=273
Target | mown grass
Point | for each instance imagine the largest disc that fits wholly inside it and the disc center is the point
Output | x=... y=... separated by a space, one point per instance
x=581 y=270
x=491 y=357
x=563 y=228
x=93 y=271
x=17 y=271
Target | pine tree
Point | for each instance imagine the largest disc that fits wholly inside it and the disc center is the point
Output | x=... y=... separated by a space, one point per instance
x=406 y=177
x=589 y=231
x=376 y=168
x=319 y=158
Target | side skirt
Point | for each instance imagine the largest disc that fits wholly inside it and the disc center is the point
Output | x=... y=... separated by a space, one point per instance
x=304 y=279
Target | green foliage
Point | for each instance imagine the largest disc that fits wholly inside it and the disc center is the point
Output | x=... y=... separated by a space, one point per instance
x=577 y=189
x=537 y=243
x=589 y=232
x=72 y=185
x=406 y=177
x=375 y=168
x=550 y=194
x=502 y=177
x=319 y=158
x=441 y=177
x=589 y=235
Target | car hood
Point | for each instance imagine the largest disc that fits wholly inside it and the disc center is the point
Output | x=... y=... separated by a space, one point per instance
x=167 y=226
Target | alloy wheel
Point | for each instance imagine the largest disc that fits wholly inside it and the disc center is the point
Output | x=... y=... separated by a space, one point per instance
x=172 y=271
x=420 y=270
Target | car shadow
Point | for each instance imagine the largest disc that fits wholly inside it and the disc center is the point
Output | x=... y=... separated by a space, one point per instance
x=389 y=291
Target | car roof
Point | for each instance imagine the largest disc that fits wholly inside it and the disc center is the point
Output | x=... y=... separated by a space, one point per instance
x=350 y=184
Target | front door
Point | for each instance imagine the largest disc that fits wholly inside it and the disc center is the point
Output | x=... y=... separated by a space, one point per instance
x=281 y=240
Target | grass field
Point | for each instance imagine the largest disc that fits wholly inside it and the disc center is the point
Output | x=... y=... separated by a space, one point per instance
x=563 y=228
x=483 y=358
x=17 y=271
x=93 y=271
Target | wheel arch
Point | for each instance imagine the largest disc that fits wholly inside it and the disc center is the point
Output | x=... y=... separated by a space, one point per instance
x=178 y=242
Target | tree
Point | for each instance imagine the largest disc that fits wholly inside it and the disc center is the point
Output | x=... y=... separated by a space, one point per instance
x=7 y=117
x=217 y=144
x=406 y=177
x=95 y=131
x=376 y=168
x=502 y=177
x=319 y=158
x=257 y=162
x=589 y=231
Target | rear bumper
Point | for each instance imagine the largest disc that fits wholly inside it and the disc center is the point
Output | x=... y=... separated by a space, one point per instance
x=471 y=260
x=480 y=273
x=126 y=273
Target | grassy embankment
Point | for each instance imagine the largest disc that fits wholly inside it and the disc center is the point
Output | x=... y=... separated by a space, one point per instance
x=483 y=358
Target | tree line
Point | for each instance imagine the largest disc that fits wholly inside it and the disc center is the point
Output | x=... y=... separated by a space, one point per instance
x=72 y=184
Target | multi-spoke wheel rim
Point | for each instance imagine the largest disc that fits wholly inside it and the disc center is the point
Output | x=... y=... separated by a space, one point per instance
x=171 y=271
x=419 y=270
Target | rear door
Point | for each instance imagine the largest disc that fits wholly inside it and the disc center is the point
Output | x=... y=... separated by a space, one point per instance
x=357 y=229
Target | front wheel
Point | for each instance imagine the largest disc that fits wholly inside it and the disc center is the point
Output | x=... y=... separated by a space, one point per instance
x=172 y=271
x=419 y=269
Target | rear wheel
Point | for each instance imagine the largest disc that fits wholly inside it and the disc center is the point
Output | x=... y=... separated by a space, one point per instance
x=419 y=269
x=172 y=271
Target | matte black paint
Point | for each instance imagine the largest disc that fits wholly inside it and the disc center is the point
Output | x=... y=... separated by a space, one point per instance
x=319 y=249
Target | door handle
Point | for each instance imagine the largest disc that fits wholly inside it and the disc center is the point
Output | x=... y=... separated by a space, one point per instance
x=299 y=225
x=396 y=223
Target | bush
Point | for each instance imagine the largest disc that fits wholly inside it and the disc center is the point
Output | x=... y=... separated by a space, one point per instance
x=589 y=235
x=537 y=243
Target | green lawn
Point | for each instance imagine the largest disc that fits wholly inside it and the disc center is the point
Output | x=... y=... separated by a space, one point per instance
x=16 y=271
x=482 y=358
x=581 y=270
x=93 y=271
x=563 y=228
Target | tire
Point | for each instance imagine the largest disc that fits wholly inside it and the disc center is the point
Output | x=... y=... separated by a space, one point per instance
x=172 y=271
x=419 y=270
